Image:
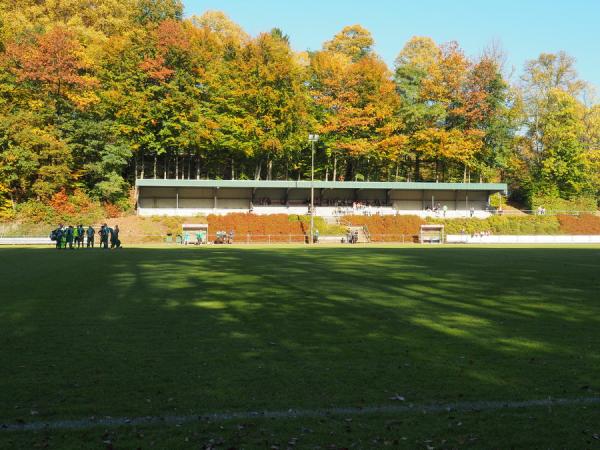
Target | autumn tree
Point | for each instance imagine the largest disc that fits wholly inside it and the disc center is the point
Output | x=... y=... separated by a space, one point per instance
x=355 y=99
x=353 y=41
x=562 y=168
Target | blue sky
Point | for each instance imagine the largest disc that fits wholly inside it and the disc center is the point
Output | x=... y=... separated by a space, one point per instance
x=524 y=28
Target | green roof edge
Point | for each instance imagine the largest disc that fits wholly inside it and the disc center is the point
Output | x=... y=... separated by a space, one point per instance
x=429 y=186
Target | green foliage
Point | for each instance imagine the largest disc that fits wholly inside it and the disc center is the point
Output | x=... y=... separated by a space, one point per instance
x=6 y=204
x=557 y=204
x=325 y=228
x=497 y=200
x=61 y=208
x=513 y=225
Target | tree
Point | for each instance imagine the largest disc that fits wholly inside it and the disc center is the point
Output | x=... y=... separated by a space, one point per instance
x=355 y=99
x=52 y=61
x=156 y=11
x=563 y=170
x=353 y=41
x=417 y=112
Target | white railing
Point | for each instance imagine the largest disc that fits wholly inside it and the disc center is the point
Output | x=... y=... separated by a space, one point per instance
x=527 y=239
x=26 y=241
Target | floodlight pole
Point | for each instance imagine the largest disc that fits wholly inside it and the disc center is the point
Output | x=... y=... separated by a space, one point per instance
x=312 y=138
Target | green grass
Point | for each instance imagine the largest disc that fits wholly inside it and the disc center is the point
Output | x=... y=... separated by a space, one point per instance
x=156 y=331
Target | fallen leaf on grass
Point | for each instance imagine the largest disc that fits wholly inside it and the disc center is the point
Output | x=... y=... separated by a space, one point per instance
x=398 y=397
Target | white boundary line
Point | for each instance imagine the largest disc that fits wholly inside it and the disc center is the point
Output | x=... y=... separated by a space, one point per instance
x=411 y=408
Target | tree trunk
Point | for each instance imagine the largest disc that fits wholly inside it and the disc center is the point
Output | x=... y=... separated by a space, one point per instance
x=142 y=162
x=166 y=168
x=465 y=174
x=334 y=167
x=198 y=166
x=269 y=169
x=349 y=170
x=232 y=169
x=327 y=170
x=417 y=168
x=155 y=159
x=397 y=168
x=177 y=167
x=257 y=170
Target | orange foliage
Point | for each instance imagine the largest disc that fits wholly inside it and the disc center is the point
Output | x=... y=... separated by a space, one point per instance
x=172 y=34
x=112 y=211
x=61 y=204
x=584 y=224
x=243 y=224
x=156 y=69
x=388 y=228
x=53 y=58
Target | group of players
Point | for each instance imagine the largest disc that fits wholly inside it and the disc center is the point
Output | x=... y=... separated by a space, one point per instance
x=77 y=236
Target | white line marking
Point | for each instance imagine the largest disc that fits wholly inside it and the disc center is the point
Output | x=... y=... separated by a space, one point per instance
x=410 y=408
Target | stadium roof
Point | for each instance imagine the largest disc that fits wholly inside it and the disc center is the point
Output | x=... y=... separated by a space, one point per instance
x=493 y=187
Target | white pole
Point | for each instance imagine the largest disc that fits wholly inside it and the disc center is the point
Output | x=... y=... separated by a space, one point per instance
x=312 y=192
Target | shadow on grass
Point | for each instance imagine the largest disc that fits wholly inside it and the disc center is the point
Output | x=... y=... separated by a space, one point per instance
x=152 y=331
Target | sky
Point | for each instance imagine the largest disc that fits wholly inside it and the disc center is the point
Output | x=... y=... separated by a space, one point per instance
x=523 y=28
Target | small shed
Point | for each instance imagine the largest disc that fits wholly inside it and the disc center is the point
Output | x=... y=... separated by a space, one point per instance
x=431 y=234
x=196 y=229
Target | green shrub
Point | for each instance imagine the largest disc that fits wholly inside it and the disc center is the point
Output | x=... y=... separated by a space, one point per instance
x=496 y=200
x=33 y=211
x=61 y=208
x=587 y=204
x=325 y=229
x=513 y=225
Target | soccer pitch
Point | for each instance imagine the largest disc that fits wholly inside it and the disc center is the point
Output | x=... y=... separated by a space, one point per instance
x=340 y=347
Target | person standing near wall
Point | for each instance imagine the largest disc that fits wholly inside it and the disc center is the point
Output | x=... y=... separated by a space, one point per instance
x=57 y=236
x=81 y=233
x=114 y=237
x=75 y=231
x=104 y=233
x=90 y=236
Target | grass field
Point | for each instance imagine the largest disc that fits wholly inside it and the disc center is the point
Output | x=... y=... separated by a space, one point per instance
x=189 y=332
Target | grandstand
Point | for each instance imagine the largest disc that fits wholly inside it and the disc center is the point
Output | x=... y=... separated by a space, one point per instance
x=172 y=197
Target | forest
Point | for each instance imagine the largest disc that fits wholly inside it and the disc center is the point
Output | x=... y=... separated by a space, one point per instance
x=97 y=93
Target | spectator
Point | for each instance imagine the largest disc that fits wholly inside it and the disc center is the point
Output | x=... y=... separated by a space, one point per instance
x=472 y=211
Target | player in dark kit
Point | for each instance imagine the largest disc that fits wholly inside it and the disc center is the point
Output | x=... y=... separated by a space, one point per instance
x=90 y=236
